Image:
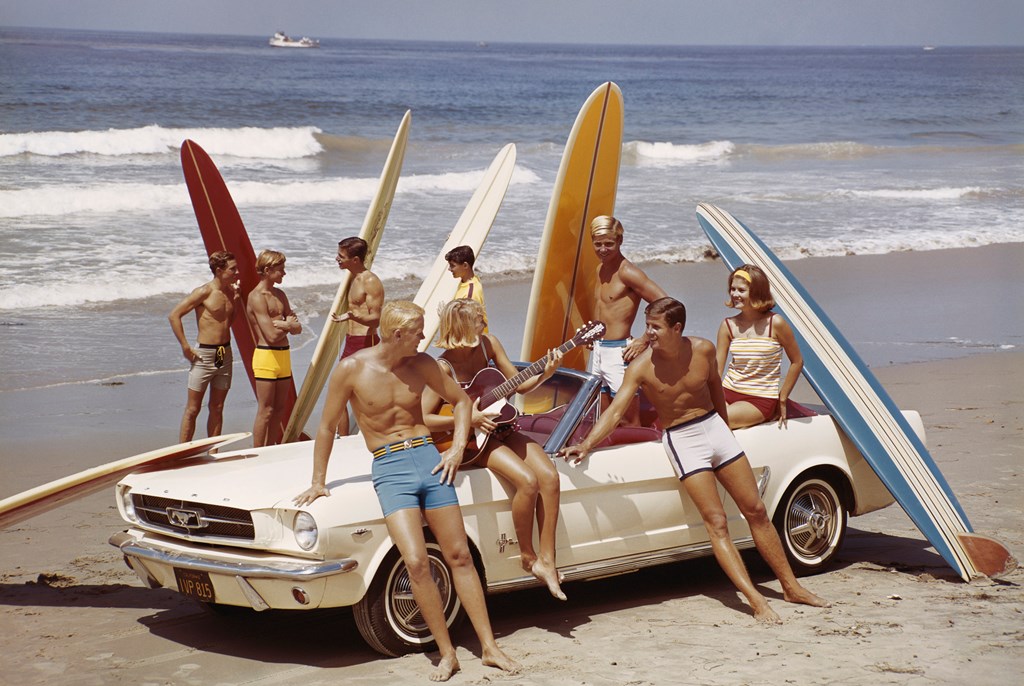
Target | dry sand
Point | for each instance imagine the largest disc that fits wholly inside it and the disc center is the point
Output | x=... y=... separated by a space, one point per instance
x=72 y=613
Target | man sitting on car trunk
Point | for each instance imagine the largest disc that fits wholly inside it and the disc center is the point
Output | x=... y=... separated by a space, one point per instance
x=384 y=384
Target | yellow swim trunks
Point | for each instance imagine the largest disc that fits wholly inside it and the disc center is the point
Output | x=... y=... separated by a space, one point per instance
x=270 y=363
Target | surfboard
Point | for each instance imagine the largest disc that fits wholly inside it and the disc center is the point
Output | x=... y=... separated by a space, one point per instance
x=862 y=407
x=222 y=229
x=562 y=295
x=471 y=229
x=328 y=346
x=40 y=499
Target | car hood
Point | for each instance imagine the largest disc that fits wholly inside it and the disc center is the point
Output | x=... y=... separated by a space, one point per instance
x=256 y=478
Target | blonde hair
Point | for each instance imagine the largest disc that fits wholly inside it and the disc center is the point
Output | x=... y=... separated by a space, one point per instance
x=458 y=328
x=268 y=259
x=760 y=290
x=605 y=224
x=398 y=314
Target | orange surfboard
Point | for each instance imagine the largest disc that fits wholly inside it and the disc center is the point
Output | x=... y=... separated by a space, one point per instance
x=562 y=297
x=222 y=229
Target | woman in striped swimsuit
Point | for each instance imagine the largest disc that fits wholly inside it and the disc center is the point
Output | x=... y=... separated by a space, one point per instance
x=756 y=339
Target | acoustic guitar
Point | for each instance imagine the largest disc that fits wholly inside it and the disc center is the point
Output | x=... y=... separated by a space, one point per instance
x=492 y=389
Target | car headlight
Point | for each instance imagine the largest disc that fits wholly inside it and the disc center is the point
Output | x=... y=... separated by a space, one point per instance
x=128 y=504
x=305 y=530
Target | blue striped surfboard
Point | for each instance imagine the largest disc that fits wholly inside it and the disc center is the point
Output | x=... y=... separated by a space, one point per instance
x=863 y=409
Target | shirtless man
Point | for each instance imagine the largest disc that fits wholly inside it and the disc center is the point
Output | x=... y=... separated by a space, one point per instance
x=273 y=319
x=214 y=304
x=679 y=375
x=365 y=298
x=621 y=285
x=385 y=384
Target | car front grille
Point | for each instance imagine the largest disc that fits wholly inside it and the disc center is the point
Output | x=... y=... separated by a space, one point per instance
x=195 y=519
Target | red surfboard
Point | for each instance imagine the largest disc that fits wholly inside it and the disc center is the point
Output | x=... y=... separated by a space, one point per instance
x=222 y=229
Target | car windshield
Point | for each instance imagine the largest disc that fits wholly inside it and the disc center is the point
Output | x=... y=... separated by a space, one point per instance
x=552 y=412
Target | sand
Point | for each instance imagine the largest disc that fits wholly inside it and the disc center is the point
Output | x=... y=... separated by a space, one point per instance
x=72 y=613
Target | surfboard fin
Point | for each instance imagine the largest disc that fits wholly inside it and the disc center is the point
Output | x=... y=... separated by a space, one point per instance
x=989 y=556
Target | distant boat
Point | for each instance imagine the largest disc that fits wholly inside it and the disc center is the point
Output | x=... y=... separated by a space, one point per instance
x=280 y=40
x=928 y=48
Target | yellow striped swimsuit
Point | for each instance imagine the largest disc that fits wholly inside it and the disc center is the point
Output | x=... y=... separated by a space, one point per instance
x=756 y=365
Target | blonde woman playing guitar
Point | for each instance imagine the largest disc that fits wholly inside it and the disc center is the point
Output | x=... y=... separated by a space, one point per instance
x=506 y=452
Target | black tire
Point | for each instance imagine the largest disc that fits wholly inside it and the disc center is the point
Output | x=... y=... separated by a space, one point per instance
x=388 y=618
x=811 y=520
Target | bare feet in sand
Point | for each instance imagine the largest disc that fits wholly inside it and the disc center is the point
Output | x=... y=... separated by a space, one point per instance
x=802 y=596
x=494 y=657
x=550 y=576
x=445 y=669
x=764 y=614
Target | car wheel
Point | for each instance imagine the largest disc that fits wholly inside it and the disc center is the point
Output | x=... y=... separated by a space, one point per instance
x=811 y=521
x=388 y=617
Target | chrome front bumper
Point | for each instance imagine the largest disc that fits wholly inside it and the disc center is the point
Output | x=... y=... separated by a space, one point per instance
x=297 y=571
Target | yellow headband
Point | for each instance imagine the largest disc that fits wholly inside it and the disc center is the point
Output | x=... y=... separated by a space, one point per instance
x=743 y=274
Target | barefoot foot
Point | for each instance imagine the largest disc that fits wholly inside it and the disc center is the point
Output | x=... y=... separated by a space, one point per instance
x=804 y=597
x=445 y=669
x=494 y=657
x=766 y=615
x=549 y=576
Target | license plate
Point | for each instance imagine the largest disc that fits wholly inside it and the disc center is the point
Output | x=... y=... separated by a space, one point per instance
x=195 y=584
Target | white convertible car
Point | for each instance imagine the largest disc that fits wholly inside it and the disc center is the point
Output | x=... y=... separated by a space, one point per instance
x=222 y=529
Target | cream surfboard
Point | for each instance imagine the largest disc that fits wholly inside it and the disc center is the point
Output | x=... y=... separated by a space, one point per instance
x=40 y=499
x=472 y=228
x=863 y=409
x=329 y=344
x=562 y=296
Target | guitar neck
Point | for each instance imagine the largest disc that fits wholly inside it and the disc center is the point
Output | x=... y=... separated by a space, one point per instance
x=506 y=389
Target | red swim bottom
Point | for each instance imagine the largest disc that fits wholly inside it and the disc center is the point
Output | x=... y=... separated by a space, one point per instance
x=768 y=407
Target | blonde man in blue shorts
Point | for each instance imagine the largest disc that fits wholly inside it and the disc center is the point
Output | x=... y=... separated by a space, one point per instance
x=679 y=375
x=413 y=481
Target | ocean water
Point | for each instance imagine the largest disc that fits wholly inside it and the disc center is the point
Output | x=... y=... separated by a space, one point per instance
x=826 y=151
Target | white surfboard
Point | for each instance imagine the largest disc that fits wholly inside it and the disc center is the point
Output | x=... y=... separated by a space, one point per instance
x=328 y=347
x=472 y=228
x=40 y=499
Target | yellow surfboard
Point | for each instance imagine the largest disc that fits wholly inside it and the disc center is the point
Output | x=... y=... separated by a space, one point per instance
x=562 y=297
x=329 y=346
x=472 y=228
x=40 y=499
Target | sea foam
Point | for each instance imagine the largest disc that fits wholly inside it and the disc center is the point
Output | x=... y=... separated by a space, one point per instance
x=279 y=143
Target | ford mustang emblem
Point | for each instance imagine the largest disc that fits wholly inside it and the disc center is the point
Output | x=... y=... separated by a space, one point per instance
x=185 y=518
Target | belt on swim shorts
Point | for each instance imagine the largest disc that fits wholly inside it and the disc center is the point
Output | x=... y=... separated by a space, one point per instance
x=272 y=347
x=402 y=445
x=220 y=355
x=613 y=342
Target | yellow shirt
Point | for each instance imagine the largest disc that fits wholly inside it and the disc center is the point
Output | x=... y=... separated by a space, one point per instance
x=473 y=291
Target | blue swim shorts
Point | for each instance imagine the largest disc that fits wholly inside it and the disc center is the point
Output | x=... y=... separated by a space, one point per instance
x=403 y=480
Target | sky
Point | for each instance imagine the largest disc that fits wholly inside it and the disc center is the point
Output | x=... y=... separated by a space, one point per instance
x=669 y=22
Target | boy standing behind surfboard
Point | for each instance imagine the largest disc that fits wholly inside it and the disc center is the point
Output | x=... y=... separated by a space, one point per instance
x=460 y=263
x=215 y=304
x=273 y=319
x=621 y=285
